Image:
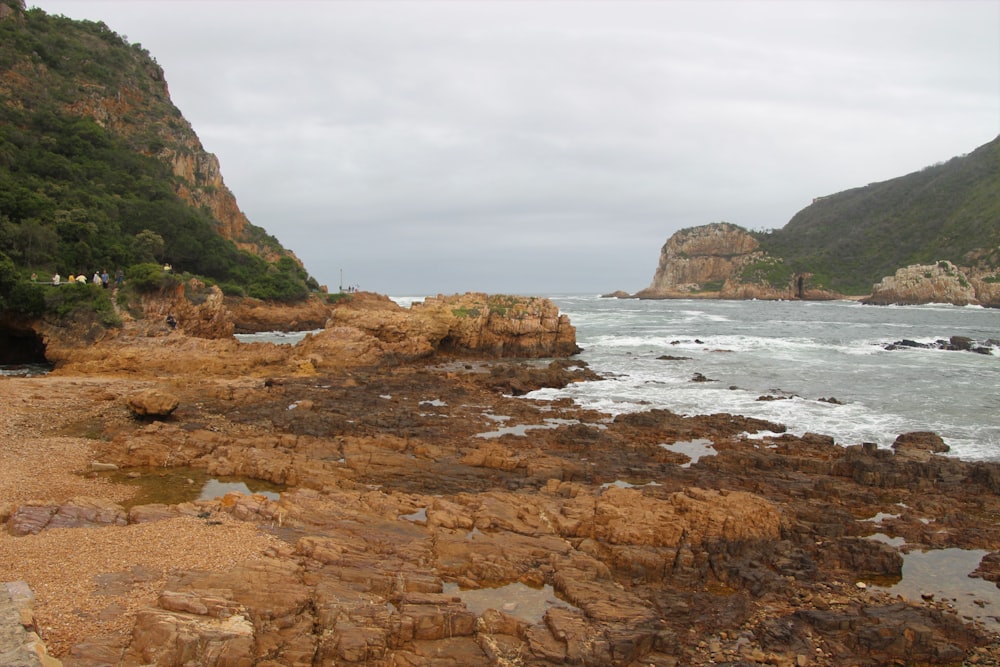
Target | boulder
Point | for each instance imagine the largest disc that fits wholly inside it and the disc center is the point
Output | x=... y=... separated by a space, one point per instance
x=152 y=403
x=919 y=445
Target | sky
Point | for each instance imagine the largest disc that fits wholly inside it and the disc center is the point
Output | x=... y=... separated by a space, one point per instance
x=536 y=148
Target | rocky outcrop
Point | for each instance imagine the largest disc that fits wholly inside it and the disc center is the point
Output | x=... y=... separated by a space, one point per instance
x=942 y=282
x=724 y=261
x=700 y=260
x=359 y=330
x=374 y=327
x=253 y=315
x=987 y=286
x=498 y=325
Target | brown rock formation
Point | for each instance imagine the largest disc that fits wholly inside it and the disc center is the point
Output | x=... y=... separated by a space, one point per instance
x=942 y=282
x=360 y=330
x=722 y=261
x=410 y=531
x=693 y=259
x=152 y=403
x=462 y=324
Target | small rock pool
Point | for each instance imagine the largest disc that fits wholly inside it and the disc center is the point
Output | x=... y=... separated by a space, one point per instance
x=172 y=486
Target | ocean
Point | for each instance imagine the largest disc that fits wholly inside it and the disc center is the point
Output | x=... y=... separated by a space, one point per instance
x=800 y=353
x=823 y=364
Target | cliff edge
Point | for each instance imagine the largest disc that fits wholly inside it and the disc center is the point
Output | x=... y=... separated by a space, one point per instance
x=724 y=261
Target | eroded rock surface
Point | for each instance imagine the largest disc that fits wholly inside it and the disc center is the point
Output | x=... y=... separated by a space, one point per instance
x=410 y=485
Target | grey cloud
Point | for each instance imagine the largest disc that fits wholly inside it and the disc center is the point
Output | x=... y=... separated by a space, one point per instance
x=537 y=146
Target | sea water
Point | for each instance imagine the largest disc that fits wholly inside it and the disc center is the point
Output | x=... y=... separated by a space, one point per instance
x=798 y=352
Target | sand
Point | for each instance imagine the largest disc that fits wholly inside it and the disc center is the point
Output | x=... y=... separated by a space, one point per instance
x=89 y=582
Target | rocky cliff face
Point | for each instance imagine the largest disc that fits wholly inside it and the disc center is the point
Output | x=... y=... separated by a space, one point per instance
x=707 y=262
x=942 y=282
x=131 y=100
x=692 y=259
x=199 y=177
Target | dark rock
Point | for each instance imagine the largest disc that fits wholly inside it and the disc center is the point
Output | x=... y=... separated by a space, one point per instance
x=961 y=342
x=927 y=441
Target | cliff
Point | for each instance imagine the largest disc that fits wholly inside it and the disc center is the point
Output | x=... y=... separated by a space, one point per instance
x=700 y=259
x=102 y=171
x=131 y=101
x=723 y=261
x=947 y=214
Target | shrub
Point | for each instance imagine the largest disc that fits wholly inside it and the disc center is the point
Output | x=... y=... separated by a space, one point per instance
x=76 y=301
x=767 y=271
x=148 y=278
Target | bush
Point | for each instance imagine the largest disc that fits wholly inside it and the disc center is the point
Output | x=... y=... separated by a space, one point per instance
x=27 y=298
x=768 y=271
x=76 y=301
x=149 y=278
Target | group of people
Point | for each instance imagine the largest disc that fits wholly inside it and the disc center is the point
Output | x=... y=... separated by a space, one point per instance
x=100 y=278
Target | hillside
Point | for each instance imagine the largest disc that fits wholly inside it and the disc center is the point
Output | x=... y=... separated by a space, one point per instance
x=99 y=170
x=850 y=240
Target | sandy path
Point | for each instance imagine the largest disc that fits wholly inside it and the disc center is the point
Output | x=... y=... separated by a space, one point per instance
x=89 y=582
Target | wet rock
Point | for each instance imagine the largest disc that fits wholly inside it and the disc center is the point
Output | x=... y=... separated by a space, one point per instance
x=395 y=497
x=919 y=444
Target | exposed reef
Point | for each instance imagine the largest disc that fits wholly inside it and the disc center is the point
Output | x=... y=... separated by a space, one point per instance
x=429 y=516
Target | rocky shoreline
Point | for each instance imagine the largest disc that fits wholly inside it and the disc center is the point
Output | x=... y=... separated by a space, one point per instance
x=428 y=516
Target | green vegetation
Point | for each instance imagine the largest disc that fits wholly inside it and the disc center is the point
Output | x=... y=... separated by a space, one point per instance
x=713 y=286
x=71 y=300
x=501 y=303
x=769 y=271
x=463 y=313
x=79 y=196
x=852 y=239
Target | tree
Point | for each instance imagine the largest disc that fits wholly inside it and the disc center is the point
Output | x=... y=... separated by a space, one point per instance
x=147 y=246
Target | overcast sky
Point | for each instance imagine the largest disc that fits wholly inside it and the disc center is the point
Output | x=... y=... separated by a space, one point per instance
x=547 y=147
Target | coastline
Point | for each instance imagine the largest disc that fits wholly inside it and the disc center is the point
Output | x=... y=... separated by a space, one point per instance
x=410 y=482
